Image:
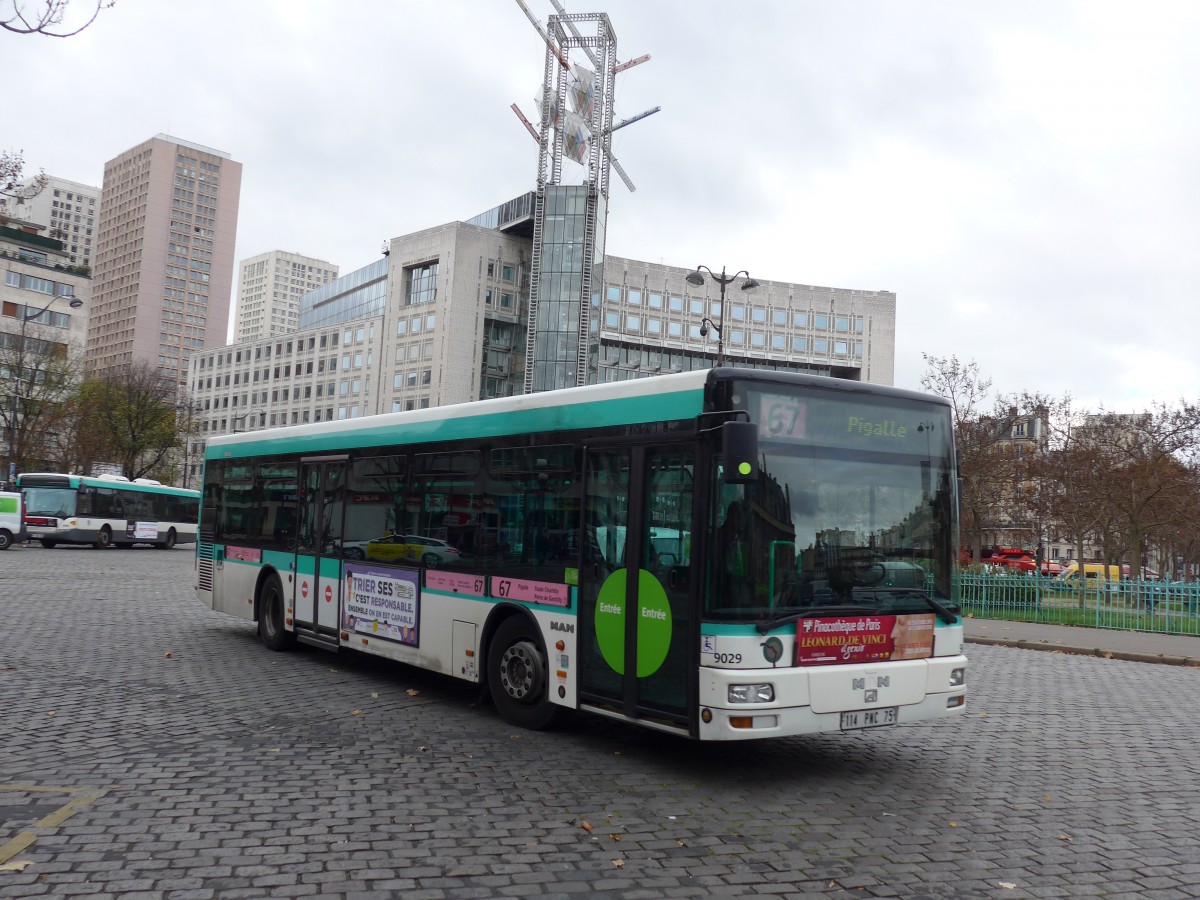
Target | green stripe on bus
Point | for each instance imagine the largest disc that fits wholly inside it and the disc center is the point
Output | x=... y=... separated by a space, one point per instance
x=597 y=414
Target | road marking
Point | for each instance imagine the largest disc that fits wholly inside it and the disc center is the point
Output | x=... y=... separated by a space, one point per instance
x=81 y=797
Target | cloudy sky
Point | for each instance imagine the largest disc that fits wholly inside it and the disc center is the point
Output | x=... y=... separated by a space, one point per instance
x=1023 y=174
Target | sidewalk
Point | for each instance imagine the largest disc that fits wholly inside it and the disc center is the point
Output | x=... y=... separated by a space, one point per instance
x=1140 y=646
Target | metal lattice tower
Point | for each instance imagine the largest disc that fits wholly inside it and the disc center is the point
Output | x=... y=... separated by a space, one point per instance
x=569 y=222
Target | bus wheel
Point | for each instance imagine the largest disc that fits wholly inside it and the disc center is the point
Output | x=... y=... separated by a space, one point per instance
x=169 y=543
x=270 y=617
x=103 y=539
x=49 y=545
x=517 y=675
x=5 y=539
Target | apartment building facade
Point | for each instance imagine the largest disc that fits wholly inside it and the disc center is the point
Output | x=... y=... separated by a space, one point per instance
x=43 y=322
x=69 y=211
x=270 y=288
x=163 y=272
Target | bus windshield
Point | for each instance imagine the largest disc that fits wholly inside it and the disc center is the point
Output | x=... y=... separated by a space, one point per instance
x=852 y=511
x=47 y=501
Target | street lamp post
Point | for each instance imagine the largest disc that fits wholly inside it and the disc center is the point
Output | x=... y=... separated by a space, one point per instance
x=18 y=375
x=249 y=412
x=697 y=278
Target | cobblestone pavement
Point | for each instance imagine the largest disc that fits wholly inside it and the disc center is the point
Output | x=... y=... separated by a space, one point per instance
x=152 y=748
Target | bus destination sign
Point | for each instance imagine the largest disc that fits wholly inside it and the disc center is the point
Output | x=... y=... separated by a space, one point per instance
x=840 y=423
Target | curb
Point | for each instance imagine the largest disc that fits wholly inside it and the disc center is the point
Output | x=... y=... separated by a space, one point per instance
x=1129 y=655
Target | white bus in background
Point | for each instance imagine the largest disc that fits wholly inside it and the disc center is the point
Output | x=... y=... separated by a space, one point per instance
x=108 y=510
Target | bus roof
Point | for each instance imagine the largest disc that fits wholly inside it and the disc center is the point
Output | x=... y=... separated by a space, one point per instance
x=58 y=479
x=675 y=396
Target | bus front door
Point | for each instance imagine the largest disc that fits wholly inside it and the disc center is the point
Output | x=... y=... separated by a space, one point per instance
x=635 y=620
x=317 y=600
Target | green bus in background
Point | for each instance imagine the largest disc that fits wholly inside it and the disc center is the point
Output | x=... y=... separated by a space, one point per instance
x=107 y=510
x=723 y=554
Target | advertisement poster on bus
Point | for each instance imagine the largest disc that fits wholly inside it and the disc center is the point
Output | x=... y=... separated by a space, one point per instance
x=382 y=602
x=850 y=639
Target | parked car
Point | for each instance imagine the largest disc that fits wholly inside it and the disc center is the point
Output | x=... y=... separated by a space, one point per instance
x=431 y=552
x=415 y=548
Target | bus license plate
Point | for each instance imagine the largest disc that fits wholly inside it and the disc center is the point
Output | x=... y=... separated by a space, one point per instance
x=870 y=718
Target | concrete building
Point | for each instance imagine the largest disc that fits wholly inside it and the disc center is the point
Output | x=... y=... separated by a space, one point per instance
x=69 y=211
x=43 y=325
x=443 y=318
x=270 y=287
x=163 y=273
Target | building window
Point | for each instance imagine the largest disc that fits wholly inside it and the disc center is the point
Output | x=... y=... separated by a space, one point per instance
x=420 y=284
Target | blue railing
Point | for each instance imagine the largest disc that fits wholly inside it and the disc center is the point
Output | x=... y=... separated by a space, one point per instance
x=1128 y=605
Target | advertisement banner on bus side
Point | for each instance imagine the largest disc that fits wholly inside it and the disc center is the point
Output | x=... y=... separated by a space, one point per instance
x=851 y=639
x=382 y=602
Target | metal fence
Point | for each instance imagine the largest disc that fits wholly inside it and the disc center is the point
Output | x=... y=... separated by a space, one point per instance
x=1128 y=605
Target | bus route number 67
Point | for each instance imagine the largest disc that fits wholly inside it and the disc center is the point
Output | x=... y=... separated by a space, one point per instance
x=784 y=417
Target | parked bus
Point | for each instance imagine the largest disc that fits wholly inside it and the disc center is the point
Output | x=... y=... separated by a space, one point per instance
x=805 y=531
x=108 y=510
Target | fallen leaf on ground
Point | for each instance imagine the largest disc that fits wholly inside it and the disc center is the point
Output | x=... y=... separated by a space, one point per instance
x=1066 y=837
x=1011 y=885
x=619 y=863
x=356 y=712
x=412 y=692
x=586 y=825
x=17 y=865
x=615 y=837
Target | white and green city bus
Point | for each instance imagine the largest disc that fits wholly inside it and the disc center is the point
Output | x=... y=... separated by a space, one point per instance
x=722 y=554
x=107 y=511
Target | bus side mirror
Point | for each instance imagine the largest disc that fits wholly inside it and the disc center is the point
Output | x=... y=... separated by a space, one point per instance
x=739 y=450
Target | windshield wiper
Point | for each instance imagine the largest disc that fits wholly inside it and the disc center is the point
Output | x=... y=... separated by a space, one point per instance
x=892 y=592
x=813 y=612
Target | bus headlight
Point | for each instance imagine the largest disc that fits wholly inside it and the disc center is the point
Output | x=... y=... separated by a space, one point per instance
x=958 y=677
x=752 y=693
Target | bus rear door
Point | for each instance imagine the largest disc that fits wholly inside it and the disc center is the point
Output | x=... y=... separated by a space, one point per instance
x=317 y=600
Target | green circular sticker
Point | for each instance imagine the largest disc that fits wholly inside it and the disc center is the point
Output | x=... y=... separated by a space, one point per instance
x=745 y=468
x=653 y=622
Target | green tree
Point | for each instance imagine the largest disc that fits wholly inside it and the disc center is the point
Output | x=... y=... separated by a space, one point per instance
x=130 y=419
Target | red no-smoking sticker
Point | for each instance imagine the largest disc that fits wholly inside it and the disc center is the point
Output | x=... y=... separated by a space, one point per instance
x=328 y=594
x=304 y=589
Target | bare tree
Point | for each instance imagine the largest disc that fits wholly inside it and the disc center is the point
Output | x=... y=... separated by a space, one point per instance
x=38 y=376
x=46 y=17
x=1144 y=459
x=988 y=462
x=12 y=178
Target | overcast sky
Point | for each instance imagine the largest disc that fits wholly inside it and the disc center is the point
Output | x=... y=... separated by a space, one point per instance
x=1025 y=175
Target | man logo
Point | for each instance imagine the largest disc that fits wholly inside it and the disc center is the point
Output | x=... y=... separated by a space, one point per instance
x=565 y=627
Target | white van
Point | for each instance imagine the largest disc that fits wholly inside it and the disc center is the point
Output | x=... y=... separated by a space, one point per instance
x=12 y=524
